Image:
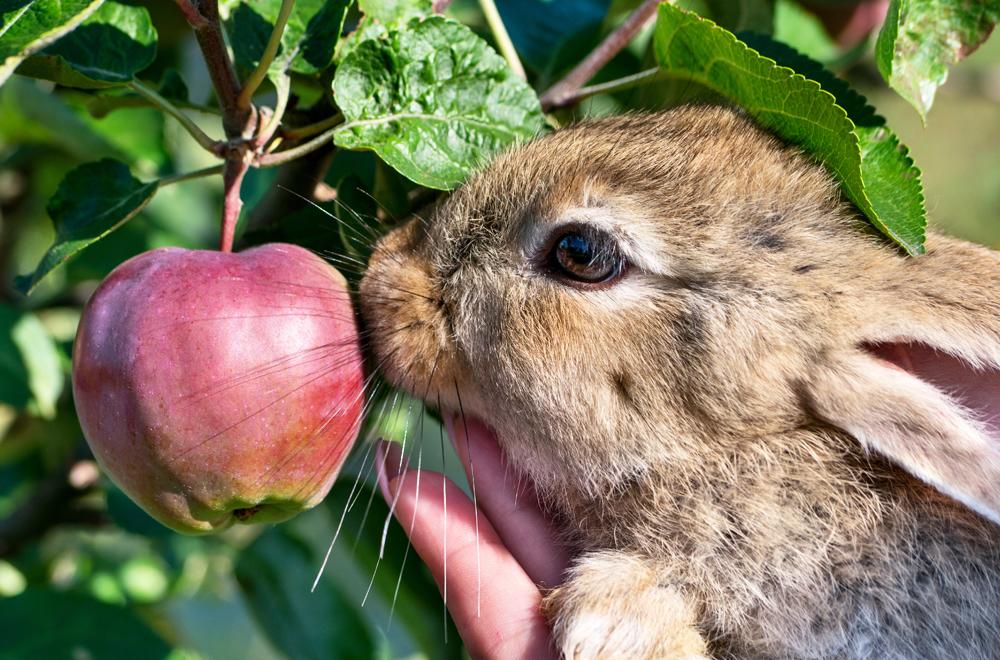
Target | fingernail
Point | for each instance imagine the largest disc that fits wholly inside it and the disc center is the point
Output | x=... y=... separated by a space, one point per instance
x=389 y=464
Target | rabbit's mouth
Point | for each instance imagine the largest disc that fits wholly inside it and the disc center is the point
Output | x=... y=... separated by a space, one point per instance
x=976 y=389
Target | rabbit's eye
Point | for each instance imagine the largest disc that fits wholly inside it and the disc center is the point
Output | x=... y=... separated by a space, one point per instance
x=586 y=257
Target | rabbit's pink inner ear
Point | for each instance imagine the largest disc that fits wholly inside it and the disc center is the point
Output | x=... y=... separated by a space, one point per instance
x=976 y=389
x=922 y=410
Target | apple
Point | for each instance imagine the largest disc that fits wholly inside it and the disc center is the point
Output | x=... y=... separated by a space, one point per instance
x=216 y=387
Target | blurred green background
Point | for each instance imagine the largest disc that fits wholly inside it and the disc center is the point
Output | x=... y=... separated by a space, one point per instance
x=86 y=574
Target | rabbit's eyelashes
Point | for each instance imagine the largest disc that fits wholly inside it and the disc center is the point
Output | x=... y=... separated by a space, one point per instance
x=668 y=320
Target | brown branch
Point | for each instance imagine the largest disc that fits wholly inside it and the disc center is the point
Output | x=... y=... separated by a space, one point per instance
x=557 y=95
x=239 y=123
x=191 y=13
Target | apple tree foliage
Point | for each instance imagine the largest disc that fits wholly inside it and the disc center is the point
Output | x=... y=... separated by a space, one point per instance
x=137 y=124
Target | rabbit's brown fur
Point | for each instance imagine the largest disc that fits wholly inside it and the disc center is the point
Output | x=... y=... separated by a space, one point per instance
x=724 y=453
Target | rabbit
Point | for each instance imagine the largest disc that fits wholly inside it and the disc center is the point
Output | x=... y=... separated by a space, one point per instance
x=694 y=347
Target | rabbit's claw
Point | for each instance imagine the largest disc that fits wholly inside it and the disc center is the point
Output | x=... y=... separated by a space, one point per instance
x=613 y=606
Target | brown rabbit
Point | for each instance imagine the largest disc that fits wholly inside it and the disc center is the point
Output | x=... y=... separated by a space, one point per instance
x=684 y=336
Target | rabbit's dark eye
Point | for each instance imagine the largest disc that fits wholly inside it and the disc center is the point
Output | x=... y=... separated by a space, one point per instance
x=585 y=256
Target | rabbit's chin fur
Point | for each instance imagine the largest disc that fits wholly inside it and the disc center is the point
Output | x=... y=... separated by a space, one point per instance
x=726 y=431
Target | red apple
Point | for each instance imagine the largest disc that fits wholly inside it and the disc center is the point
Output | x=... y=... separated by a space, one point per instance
x=217 y=387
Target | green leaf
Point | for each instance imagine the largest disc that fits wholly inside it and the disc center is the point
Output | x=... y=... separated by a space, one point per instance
x=31 y=374
x=734 y=15
x=921 y=39
x=359 y=514
x=109 y=48
x=33 y=115
x=395 y=12
x=44 y=623
x=91 y=202
x=433 y=100
x=803 y=31
x=27 y=26
x=309 y=39
x=275 y=573
x=874 y=171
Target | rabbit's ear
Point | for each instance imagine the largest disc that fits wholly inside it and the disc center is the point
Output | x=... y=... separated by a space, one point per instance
x=925 y=410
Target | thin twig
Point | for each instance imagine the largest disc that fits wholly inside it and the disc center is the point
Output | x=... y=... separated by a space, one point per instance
x=595 y=61
x=299 y=132
x=186 y=176
x=251 y=84
x=283 y=85
x=616 y=85
x=282 y=157
x=506 y=46
x=210 y=145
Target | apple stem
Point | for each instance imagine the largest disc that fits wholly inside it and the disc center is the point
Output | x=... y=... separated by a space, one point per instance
x=232 y=178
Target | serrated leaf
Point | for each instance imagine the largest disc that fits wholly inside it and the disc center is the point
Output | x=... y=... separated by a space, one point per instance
x=433 y=100
x=27 y=26
x=874 y=171
x=275 y=572
x=115 y=42
x=91 y=202
x=307 y=43
x=31 y=374
x=921 y=39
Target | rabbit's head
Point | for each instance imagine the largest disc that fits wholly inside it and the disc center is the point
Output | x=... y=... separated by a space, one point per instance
x=633 y=292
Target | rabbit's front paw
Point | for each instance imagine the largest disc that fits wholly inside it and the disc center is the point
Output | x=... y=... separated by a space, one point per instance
x=613 y=606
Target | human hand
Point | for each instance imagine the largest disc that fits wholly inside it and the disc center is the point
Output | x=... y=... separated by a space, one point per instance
x=492 y=584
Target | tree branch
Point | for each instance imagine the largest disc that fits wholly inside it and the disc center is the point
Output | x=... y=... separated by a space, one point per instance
x=191 y=13
x=239 y=123
x=556 y=95
x=251 y=84
x=211 y=40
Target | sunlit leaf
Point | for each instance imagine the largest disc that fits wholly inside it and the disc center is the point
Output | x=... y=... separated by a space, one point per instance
x=921 y=39
x=433 y=100
x=307 y=43
x=31 y=373
x=109 y=48
x=27 y=26
x=874 y=170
